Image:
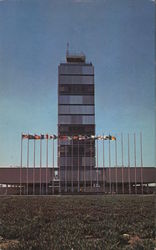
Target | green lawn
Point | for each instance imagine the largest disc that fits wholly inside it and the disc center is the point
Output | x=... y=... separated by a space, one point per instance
x=77 y=222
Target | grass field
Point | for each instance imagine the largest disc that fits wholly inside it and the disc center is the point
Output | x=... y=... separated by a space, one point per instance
x=77 y=222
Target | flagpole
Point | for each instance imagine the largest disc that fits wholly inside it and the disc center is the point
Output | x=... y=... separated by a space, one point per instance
x=122 y=163
x=58 y=162
x=72 y=169
x=34 y=170
x=53 y=166
x=97 y=169
x=135 y=162
x=141 y=162
x=103 y=164
x=129 y=177
x=78 y=167
x=40 y=165
x=116 y=159
x=65 y=173
x=21 y=164
x=110 y=184
x=84 y=165
x=27 y=166
x=91 y=163
x=47 y=167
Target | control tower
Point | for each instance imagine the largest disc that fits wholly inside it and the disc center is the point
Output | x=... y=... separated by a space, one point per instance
x=76 y=116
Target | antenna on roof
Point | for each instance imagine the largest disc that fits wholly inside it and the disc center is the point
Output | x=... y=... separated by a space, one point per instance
x=67 y=51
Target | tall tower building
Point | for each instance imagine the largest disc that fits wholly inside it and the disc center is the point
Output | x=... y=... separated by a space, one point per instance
x=76 y=116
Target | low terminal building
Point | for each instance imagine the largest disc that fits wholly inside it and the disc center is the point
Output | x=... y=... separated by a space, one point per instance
x=42 y=181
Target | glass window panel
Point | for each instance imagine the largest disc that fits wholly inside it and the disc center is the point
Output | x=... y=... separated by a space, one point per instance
x=83 y=150
x=78 y=89
x=67 y=142
x=76 y=69
x=76 y=130
x=72 y=79
x=74 y=109
x=64 y=99
x=88 y=99
x=76 y=99
x=88 y=119
x=76 y=119
x=87 y=70
x=64 y=119
x=85 y=161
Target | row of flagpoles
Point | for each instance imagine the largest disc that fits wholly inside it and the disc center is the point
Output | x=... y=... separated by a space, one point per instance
x=65 y=137
x=24 y=136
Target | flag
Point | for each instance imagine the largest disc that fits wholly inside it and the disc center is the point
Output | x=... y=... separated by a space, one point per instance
x=37 y=137
x=53 y=137
x=94 y=137
x=46 y=136
x=69 y=137
x=75 y=137
x=31 y=137
x=24 y=136
x=113 y=138
x=106 y=137
x=100 y=137
x=42 y=137
x=87 y=137
x=63 y=137
x=81 y=137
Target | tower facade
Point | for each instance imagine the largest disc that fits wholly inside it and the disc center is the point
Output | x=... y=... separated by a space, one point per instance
x=76 y=117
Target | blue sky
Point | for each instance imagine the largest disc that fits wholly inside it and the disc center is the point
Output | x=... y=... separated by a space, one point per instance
x=117 y=36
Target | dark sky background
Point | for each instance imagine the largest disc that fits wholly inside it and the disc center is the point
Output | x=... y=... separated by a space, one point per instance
x=117 y=36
